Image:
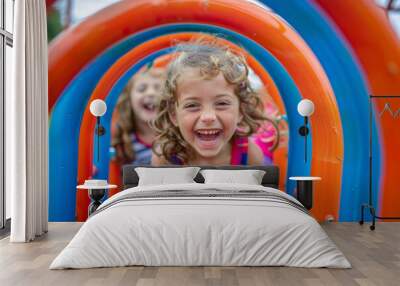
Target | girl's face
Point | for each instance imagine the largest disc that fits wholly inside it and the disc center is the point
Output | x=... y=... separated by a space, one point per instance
x=207 y=112
x=144 y=96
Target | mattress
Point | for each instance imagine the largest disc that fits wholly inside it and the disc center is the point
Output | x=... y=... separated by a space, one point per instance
x=201 y=225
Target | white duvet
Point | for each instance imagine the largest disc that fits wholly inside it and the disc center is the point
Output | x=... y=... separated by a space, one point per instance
x=183 y=231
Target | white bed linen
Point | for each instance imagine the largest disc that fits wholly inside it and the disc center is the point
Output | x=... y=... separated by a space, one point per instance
x=200 y=231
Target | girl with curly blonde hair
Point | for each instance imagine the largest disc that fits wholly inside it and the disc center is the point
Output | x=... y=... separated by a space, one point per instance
x=208 y=109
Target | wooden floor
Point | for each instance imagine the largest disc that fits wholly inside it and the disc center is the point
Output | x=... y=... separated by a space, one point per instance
x=375 y=257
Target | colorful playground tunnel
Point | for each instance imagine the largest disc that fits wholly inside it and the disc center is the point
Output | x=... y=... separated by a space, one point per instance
x=299 y=49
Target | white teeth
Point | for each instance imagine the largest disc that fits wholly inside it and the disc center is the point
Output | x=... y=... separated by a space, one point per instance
x=149 y=106
x=208 y=132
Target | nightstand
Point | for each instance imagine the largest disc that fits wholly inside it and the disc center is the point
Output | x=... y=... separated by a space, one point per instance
x=97 y=189
x=305 y=190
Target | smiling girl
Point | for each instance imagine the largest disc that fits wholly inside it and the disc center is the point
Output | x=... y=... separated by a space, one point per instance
x=132 y=136
x=207 y=110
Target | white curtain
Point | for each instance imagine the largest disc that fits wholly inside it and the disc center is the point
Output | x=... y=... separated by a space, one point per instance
x=27 y=124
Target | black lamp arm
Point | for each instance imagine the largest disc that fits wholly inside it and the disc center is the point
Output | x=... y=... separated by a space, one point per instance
x=100 y=131
x=303 y=131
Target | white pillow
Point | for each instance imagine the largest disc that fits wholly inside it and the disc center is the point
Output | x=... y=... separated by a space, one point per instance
x=163 y=176
x=248 y=177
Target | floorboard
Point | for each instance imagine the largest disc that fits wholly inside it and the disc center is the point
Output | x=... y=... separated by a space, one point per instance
x=374 y=255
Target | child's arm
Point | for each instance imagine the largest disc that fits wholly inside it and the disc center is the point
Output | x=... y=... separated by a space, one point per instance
x=256 y=156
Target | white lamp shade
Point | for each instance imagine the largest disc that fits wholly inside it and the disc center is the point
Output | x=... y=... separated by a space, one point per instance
x=98 y=107
x=305 y=107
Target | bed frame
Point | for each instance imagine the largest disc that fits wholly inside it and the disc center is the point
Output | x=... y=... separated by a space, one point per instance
x=271 y=178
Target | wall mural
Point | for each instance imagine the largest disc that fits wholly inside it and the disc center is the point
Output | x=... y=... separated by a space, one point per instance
x=293 y=49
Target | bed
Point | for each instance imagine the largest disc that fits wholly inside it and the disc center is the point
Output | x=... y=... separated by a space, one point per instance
x=201 y=224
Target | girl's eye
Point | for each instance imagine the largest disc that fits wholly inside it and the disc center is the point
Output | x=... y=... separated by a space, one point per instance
x=190 y=106
x=141 y=87
x=223 y=103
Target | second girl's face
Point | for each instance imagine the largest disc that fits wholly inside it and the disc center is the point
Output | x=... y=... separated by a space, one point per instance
x=144 y=96
x=207 y=112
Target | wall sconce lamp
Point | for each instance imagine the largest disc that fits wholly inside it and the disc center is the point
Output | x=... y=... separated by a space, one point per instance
x=305 y=108
x=98 y=108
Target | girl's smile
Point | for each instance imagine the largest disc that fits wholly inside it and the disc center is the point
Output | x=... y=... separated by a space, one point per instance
x=208 y=138
x=148 y=103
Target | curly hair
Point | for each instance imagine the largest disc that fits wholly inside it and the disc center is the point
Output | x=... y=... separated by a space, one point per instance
x=211 y=58
x=125 y=123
